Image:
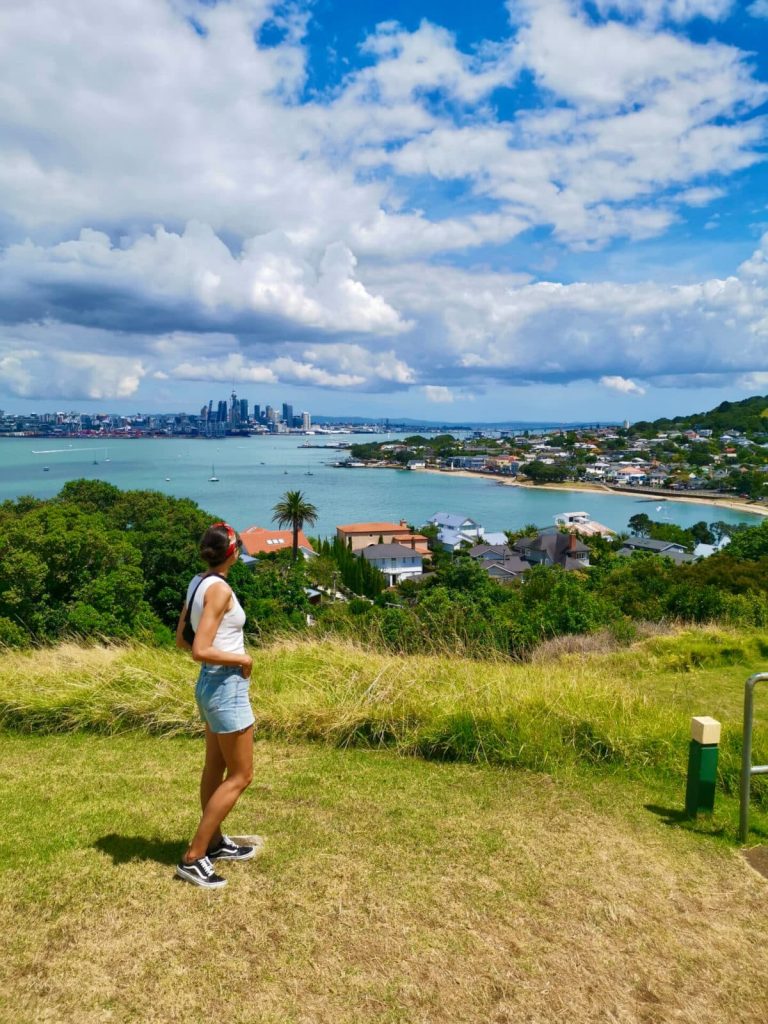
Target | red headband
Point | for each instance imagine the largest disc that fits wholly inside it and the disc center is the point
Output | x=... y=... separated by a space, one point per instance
x=232 y=538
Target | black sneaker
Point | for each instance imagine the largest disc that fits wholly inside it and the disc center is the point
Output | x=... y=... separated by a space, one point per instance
x=227 y=849
x=200 y=872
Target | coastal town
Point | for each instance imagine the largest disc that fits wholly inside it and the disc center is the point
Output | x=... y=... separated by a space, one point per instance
x=697 y=461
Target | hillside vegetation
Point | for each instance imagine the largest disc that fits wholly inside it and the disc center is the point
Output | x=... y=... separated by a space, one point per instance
x=625 y=709
x=748 y=416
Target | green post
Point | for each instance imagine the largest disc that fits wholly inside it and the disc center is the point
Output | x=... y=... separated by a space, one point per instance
x=702 y=765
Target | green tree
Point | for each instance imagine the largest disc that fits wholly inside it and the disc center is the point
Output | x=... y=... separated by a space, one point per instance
x=294 y=511
x=640 y=524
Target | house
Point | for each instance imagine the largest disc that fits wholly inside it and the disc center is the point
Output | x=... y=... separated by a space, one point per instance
x=492 y=552
x=582 y=522
x=705 y=550
x=648 y=544
x=668 y=549
x=474 y=462
x=496 y=537
x=506 y=464
x=564 y=549
x=360 y=535
x=506 y=572
x=259 y=541
x=499 y=561
x=454 y=530
x=396 y=561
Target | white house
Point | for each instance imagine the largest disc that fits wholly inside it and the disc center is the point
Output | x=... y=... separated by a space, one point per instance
x=454 y=530
x=395 y=561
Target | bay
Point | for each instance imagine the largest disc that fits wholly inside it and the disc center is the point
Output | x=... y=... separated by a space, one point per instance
x=255 y=472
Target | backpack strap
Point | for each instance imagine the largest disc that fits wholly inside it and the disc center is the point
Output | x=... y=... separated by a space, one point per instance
x=188 y=616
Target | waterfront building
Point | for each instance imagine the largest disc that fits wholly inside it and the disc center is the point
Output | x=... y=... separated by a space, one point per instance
x=360 y=535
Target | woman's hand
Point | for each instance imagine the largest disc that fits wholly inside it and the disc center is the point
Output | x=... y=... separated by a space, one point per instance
x=247 y=666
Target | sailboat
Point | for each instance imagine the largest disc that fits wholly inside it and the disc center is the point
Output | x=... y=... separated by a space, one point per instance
x=213 y=479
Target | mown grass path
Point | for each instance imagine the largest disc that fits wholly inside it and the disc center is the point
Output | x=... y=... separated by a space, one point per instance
x=391 y=890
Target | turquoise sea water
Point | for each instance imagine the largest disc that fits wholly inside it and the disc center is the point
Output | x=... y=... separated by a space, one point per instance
x=255 y=472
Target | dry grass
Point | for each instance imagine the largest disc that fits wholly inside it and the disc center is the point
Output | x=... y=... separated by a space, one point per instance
x=390 y=890
x=625 y=709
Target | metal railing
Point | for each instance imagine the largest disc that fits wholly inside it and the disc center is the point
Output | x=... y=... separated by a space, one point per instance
x=747 y=768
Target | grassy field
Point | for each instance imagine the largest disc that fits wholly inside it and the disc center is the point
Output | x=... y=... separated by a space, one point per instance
x=530 y=864
x=626 y=709
x=390 y=889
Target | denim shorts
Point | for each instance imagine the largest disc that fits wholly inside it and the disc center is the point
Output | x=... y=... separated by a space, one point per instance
x=222 y=698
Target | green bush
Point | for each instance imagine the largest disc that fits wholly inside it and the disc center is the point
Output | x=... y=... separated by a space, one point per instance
x=12 y=635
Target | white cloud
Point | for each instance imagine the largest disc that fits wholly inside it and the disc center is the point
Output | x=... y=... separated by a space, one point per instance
x=48 y=371
x=437 y=393
x=700 y=196
x=758 y=9
x=621 y=384
x=269 y=277
x=189 y=214
x=656 y=11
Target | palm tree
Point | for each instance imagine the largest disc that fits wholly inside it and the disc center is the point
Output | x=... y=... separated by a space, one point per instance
x=292 y=510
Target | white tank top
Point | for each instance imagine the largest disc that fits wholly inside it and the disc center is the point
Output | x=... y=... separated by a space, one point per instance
x=229 y=636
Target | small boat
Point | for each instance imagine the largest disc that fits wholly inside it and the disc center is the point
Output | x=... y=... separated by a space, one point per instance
x=213 y=479
x=46 y=469
x=167 y=479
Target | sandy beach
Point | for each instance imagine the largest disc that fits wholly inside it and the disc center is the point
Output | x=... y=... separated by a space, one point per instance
x=575 y=487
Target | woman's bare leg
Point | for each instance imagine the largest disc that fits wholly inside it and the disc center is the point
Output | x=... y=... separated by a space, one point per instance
x=213 y=771
x=237 y=751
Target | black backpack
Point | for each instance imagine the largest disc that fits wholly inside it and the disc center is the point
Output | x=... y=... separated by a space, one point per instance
x=188 y=632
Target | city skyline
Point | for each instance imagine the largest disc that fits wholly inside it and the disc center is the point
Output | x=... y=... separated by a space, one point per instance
x=525 y=210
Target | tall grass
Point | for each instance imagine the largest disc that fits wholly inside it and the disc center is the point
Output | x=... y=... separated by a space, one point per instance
x=626 y=709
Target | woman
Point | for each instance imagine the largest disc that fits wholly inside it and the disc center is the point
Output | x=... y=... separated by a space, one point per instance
x=217 y=619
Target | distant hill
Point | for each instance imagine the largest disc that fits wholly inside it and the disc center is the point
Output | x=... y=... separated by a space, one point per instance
x=750 y=416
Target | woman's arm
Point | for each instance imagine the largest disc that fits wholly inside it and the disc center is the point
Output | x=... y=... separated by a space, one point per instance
x=216 y=601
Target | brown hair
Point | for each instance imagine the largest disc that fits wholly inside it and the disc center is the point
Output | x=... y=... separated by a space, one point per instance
x=217 y=544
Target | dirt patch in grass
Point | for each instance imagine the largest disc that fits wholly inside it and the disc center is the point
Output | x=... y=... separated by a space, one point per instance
x=757 y=858
x=389 y=890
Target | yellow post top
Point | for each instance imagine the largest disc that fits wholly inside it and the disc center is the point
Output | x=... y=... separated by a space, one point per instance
x=705 y=730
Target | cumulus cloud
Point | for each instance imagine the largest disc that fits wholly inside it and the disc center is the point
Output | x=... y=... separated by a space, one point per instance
x=49 y=372
x=656 y=11
x=178 y=207
x=437 y=393
x=758 y=9
x=497 y=328
x=167 y=271
x=621 y=384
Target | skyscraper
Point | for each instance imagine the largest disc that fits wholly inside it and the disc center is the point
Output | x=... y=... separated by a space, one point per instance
x=243 y=410
x=287 y=414
x=306 y=421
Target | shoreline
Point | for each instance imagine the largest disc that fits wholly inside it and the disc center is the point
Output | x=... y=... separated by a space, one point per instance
x=734 y=504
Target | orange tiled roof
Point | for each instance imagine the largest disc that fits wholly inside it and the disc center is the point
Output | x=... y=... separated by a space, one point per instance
x=376 y=528
x=257 y=540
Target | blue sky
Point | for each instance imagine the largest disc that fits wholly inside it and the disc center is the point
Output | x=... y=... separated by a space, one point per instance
x=540 y=209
